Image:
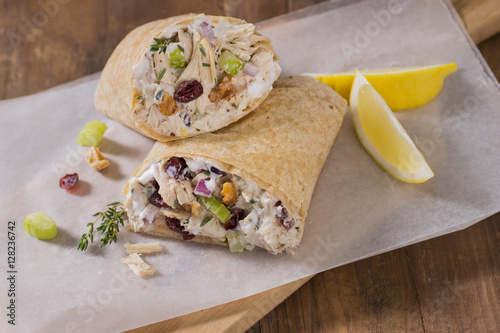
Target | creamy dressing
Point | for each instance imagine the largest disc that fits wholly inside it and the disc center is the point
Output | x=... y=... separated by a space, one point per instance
x=261 y=226
x=201 y=115
x=257 y=88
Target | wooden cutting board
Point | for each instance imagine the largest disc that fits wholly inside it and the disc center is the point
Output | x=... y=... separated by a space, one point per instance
x=482 y=20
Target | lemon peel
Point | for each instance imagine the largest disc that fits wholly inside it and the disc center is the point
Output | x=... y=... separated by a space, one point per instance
x=401 y=88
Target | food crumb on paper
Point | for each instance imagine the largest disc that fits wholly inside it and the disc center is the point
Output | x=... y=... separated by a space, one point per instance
x=137 y=265
x=95 y=159
x=143 y=248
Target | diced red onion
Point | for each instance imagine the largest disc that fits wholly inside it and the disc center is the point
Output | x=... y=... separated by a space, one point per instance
x=207 y=32
x=148 y=215
x=201 y=189
x=251 y=69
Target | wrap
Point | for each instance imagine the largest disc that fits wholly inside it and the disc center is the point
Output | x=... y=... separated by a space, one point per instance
x=261 y=170
x=186 y=75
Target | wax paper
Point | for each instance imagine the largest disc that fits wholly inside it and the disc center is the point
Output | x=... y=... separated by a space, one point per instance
x=357 y=209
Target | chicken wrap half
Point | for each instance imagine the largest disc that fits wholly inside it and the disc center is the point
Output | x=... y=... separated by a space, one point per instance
x=187 y=75
x=247 y=185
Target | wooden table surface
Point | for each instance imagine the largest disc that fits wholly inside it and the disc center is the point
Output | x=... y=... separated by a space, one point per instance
x=447 y=284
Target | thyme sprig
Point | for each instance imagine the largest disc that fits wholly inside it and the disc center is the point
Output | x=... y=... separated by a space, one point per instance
x=111 y=220
x=161 y=45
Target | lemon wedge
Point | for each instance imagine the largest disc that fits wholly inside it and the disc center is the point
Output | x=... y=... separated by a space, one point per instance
x=401 y=88
x=382 y=135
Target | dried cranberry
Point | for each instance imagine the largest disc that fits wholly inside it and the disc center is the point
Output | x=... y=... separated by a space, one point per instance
x=282 y=215
x=237 y=215
x=68 y=181
x=174 y=224
x=216 y=171
x=187 y=120
x=155 y=184
x=177 y=168
x=188 y=91
x=157 y=200
x=187 y=235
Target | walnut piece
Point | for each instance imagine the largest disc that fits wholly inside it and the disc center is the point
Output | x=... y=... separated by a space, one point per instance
x=223 y=90
x=195 y=208
x=229 y=192
x=95 y=159
x=168 y=106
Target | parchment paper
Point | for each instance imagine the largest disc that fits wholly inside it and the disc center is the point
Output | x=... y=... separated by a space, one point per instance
x=357 y=210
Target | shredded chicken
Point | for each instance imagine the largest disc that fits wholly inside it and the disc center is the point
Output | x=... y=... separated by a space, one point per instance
x=184 y=192
x=195 y=70
x=167 y=191
x=137 y=265
x=174 y=213
x=187 y=44
x=170 y=190
x=161 y=62
x=143 y=248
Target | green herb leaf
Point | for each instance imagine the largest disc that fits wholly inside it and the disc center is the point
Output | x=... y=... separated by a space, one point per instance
x=160 y=76
x=232 y=43
x=253 y=200
x=205 y=221
x=180 y=48
x=176 y=204
x=159 y=96
x=203 y=51
x=140 y=97
x=205 y=64
x=206 y=173
x=234 y=105
x=111 y=220
x=161 y=45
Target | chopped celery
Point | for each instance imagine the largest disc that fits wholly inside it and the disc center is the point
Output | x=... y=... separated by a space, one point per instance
x=40 y=225
x=230 y=63
x=235 y=241
x=177 y=58
x=216 y=207
x=91 y=134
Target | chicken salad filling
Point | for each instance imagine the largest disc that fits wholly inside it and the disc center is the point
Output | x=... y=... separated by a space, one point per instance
x=202 y=75
x=196 y=198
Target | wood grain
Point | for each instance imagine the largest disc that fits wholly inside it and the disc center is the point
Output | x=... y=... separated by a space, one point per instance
x=235 y=316
x=481 y=17
x=449 y=284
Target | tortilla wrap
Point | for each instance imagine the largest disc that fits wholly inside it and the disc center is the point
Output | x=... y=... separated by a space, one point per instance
x=139 y=84
x=281 y=147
